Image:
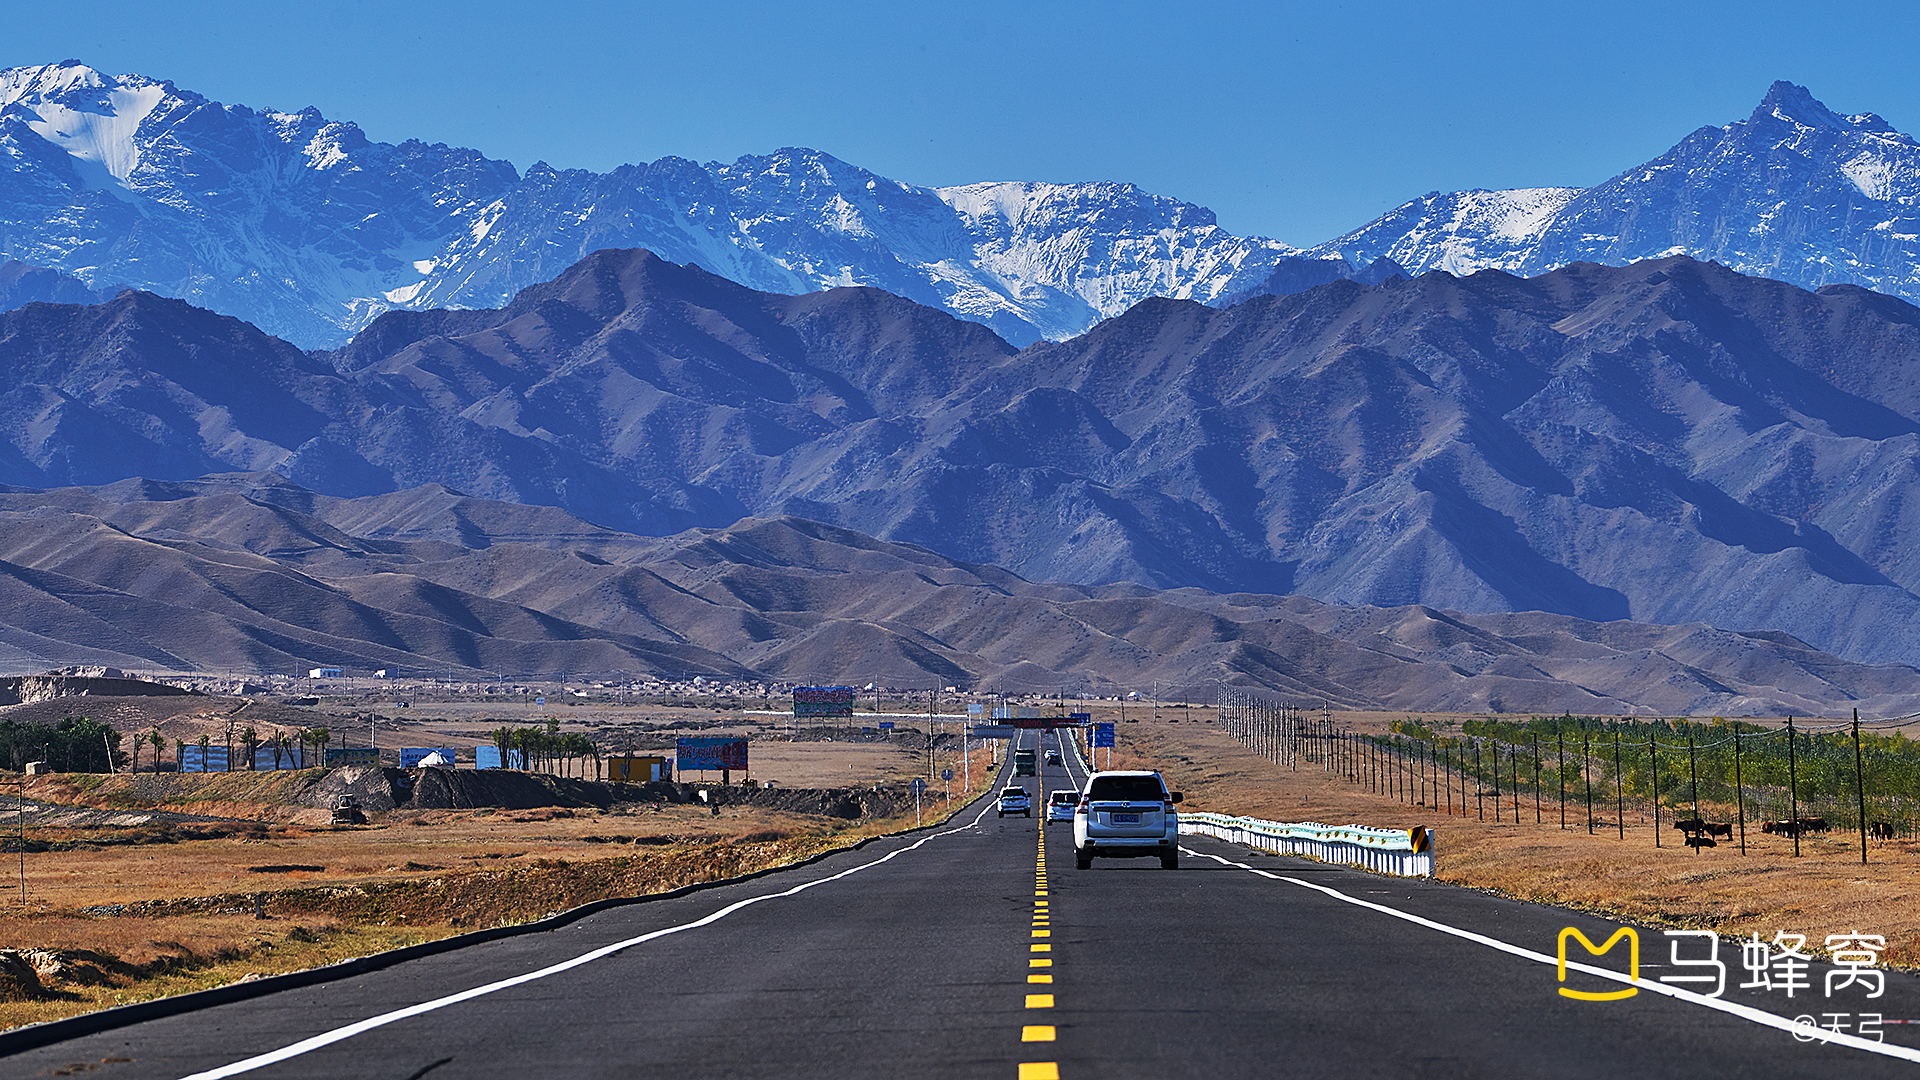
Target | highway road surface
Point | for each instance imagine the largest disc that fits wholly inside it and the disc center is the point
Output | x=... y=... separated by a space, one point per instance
x=975 y=949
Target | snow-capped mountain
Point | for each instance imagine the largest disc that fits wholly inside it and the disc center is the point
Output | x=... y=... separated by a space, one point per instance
x=307 y=229
x=286 y=219
x=1795 y=192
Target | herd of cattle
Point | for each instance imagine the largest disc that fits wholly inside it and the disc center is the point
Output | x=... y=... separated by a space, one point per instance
x=1701 y=833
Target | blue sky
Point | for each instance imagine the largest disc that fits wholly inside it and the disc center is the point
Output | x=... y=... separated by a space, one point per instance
x=1296 y=121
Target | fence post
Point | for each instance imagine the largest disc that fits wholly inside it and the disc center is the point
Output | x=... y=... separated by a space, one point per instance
x=1793 y=788
x=1653 y=752
x=1619 y=795
x=1460 y=771
x=1479 y=805
x=1421 y=754
x=1693 y=777
x=1493 y=748
x=1586 y=772
x=1536 y=779
x=1739 y=791
x=1860 y=786
x=1563 y=777
x=1513 y=773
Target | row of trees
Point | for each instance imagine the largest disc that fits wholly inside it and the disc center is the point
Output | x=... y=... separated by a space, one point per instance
x=547 y=749
x=301 y=744
x=1608 y=771
x=1718 y=762
x=75 y=744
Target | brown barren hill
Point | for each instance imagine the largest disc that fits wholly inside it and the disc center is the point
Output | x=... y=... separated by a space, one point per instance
x=255 y=574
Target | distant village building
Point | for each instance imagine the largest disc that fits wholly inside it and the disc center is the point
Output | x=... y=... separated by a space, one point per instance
x=323 y=673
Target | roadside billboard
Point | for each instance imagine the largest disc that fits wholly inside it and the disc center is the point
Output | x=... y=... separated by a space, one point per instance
x=203 y=759
x=816 y=701
x=710 y=752
x=488 y=757
x=352 y=755
x=289 y=758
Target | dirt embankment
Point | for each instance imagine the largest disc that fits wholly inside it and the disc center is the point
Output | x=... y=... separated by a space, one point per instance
x=306 y=795
x=25 y=689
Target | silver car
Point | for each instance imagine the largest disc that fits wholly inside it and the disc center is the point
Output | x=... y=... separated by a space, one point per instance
x=1060 y=804
x=1126 y=815
x=1014 y=800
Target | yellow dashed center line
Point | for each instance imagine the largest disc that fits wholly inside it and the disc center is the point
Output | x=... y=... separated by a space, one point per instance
x=1042 y=921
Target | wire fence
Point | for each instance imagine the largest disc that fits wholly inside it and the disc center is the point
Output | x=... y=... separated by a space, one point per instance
x=1693 y=784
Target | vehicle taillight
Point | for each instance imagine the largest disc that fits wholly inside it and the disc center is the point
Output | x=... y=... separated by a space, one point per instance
x=1083 y=807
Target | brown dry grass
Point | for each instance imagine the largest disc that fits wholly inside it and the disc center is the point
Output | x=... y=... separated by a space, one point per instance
x=1826 y=891
x=186 y=894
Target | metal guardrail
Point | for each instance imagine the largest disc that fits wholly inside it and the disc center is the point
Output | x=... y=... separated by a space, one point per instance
x=1402 y=852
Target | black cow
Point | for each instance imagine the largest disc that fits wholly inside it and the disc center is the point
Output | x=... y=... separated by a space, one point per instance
x=1700 y=842
x=1881 y=830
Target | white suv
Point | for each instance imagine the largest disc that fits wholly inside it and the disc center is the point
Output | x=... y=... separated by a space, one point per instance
x=1015 y=800
x=1125 y=815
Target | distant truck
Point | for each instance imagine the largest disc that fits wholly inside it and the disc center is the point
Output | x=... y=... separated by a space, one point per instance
x=1023 y=763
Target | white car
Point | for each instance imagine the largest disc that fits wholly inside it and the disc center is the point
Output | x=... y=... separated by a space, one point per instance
x=1015 y=800
x=1126 y=815
x=1060 y=804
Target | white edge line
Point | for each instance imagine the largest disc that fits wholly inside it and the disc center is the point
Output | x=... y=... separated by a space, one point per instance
x=1734 y=1008
x=327 y=1038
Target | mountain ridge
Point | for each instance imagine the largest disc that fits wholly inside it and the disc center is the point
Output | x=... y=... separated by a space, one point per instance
x=199 y=575
x=1667 y=442
x=305 y=227
x=1795 y=192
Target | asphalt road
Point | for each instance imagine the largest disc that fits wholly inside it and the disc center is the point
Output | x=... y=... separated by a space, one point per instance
x=977 y=950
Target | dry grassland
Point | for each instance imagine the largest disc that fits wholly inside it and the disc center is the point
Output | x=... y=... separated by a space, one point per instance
x=131 y=914
x=1825 y=891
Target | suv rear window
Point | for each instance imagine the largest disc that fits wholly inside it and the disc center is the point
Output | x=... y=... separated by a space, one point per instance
x=1127 y=789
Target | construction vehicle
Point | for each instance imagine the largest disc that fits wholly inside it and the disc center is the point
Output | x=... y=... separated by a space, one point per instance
x=346 y=811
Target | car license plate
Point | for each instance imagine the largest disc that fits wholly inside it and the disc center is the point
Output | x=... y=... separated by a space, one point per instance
x=1126 y=819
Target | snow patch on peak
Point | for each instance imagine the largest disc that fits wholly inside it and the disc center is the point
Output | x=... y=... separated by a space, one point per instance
x=1461 y=233
x=1876 y=177
x=53 y=80
x=100 y=138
